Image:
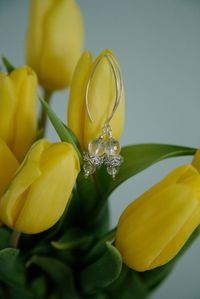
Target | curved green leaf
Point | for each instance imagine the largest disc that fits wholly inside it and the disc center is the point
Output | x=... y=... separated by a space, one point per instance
x=59 y=273
x=103 y=271
x=12 y=271
x=127 y=286
x=62 y=130
x=138 y=157
x=39 y=286
x=73 y=238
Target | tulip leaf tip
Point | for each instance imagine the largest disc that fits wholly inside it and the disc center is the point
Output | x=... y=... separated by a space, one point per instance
x=7 y=64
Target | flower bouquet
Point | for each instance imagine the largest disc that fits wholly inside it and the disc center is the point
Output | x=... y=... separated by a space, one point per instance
x=55 y=237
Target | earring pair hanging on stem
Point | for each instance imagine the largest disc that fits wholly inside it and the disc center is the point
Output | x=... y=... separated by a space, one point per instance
x=105 y=149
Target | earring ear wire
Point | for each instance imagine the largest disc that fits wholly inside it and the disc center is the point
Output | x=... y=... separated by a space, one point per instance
x=118 y=85
x=100 y=152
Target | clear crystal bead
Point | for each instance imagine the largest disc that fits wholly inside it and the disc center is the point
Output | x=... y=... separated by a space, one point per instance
x=113 y=171
x=96 y=147
x=112 y=147
x=88 y=169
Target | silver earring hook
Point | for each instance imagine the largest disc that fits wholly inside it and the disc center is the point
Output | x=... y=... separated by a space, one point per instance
x=118 y=85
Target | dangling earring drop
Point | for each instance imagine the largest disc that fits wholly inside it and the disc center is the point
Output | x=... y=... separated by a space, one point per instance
x=105 y=149
x=112 y=157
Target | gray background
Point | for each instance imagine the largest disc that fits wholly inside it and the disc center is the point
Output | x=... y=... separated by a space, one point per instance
x=158 y=46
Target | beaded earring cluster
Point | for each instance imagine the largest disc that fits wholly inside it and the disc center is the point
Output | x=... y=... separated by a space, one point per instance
x=105 y=149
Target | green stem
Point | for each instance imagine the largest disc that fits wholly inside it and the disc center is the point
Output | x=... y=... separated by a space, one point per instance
x=47 y=95
x=14 y=240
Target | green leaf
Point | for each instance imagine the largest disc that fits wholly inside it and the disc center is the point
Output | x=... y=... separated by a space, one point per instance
x=3 y=291
x=74 y=238
x=103 y=271
x=97 y=296
x=16 y=293
x=62 y=130
x=39 y=286
x=5 y=235
x=88 y=191
x=109 y=236
x=59 y=273
x=8 y=66
x=137 y=158
x=127 y=286
x=39 y=134
x=12 y=271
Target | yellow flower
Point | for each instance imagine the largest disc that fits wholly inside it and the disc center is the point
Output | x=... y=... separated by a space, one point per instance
x=153 y=228
x=101 y=99
x=54 y=41
x=40 y=188
x=18 y=117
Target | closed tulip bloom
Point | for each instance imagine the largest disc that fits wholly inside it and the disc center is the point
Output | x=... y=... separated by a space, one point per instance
x=39 y=190
x=153 y=228
x=18 y=116
x=101 y=98
x=54 y=41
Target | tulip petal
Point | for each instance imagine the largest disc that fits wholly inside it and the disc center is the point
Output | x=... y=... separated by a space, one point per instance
x=192 y=181
x=117 y=122
x=179 y=240
x=49 y=194
x=13 y=199
x=25 y=83
x=8 y=163
x=57 y=28
x=158 y=227
x=62 y=43
x=38 y=9
x=172 y=178
x=7 y=108
x=76 y=106
x=196 y=160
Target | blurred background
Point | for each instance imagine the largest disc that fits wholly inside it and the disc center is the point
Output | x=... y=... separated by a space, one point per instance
x=158 y=45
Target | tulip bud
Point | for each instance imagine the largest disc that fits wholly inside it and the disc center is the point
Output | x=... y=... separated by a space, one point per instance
x=153 y=228
x=54 y=41
x=18 y=117
x=36 y=197
x=101 y=99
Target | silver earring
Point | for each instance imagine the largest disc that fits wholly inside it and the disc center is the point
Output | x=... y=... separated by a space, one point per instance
x=105 y=149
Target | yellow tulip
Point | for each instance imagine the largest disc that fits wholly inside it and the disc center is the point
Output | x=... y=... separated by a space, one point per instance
x=18 y=117
x=101 y=99
x=54 y=41
x=153 y=228
x=40 y=188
